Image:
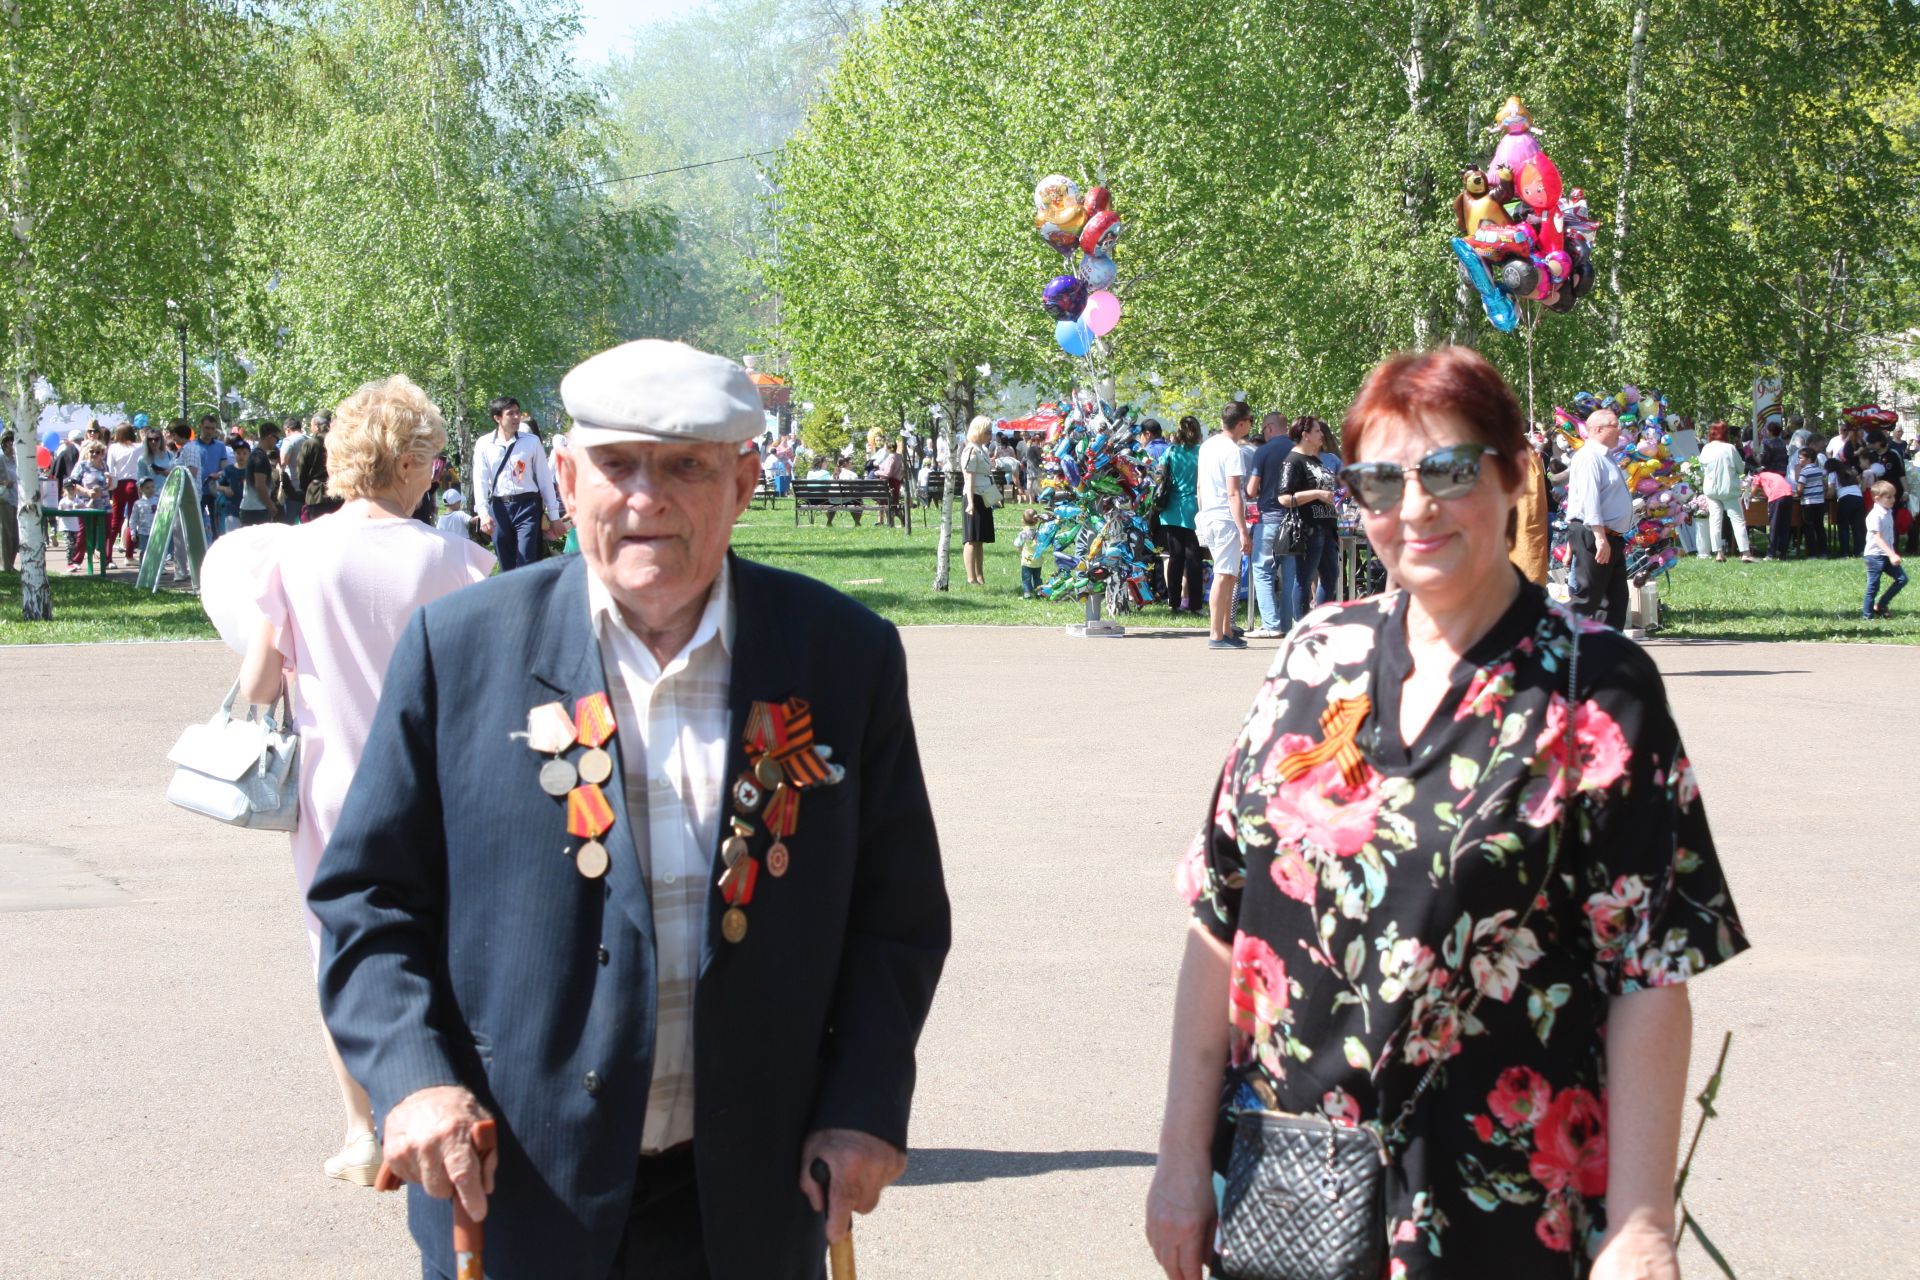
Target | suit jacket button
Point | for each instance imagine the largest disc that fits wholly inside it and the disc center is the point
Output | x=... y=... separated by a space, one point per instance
x=592 y=1082
x=605 y=955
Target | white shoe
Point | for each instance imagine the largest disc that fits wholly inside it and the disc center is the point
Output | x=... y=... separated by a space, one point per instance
x=357 y=1161
x=1264 y=633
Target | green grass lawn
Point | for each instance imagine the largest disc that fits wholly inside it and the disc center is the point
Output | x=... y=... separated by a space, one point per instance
x=1794 y=600
x=892 y=572
x=87 y=610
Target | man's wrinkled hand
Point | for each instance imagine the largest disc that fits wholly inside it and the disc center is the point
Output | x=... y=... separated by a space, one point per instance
x=429 y=1140
x=863 y=1166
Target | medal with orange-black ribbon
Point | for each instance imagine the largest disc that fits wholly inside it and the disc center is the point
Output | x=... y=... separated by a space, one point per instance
x=783 y=761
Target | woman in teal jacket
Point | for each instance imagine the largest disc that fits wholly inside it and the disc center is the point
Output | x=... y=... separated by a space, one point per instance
x=1182 y=464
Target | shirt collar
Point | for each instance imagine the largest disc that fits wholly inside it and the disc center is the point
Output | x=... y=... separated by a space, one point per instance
x=717 y=621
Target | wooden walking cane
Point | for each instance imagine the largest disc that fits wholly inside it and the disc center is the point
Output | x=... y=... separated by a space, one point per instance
x=840 y=1252
x=468 y=1235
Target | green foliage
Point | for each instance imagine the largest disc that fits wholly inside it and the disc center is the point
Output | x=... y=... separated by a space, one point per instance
x=419 y=206
x=1286 y=170
x=90 y=610
x=826 y=431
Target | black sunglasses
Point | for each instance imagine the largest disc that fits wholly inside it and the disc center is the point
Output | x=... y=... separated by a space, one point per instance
x=1450 y=472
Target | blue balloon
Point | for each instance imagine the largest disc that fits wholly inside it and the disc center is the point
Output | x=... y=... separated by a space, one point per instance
x=1074 y=337
x=1098 y=270
x=51 y=438
x=140 y=421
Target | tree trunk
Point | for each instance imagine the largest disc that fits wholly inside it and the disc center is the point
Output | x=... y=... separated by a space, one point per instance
x=1636 y=73
x=36 y=599
x=1416 y=182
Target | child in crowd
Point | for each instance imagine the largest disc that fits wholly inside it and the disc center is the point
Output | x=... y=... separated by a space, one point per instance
x=452 y=519
x=1811 y=488
x=228 y=485
x=142 y=519
x=1027 y=544
x=1881 y=558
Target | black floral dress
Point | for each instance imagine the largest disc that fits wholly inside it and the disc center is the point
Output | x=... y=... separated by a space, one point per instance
x=1354 y=885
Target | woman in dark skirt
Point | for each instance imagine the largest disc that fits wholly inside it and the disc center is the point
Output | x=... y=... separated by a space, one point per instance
x=976 y=475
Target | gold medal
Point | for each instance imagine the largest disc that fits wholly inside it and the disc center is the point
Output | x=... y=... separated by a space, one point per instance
x=777 y=860
x=733 y=925
x=557 y=777
x=747 y=794
x=591 y=860
x=596 y=766
x=768 y=771
x=733 y=850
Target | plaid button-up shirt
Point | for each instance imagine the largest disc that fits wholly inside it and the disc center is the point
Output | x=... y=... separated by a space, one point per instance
x=673 y=725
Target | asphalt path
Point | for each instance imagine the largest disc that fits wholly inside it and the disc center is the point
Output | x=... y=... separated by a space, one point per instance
x=166 y=1103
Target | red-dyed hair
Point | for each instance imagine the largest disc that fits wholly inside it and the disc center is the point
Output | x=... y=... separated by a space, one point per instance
x=1718 y=431
x=1459 y=381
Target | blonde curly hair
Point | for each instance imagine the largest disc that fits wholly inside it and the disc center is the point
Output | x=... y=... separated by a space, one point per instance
x=373 y=429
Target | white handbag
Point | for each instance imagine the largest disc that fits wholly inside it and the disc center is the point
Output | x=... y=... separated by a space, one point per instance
x=241 y=772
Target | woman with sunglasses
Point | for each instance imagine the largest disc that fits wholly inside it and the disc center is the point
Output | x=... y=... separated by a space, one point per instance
x=1385 y=919
x=1308 y=483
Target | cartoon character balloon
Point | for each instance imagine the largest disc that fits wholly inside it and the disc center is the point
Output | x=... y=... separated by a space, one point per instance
x=1519 y=143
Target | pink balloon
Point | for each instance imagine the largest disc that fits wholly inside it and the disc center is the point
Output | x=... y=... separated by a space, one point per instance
x=1102 y=313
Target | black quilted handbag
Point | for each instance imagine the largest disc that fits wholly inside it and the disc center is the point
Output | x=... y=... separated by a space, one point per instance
x=1306 y=1199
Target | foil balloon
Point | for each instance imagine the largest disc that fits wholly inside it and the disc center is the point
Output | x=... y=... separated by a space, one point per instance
x=1065 y=297
x=1102 y=313
x=1053 y=191
x=1098 y=200
x=1519 y=277
x=1101 y=231
x=1098 y=270
x=1519 y=143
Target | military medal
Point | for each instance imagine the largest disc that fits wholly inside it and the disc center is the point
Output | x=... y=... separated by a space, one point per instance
x=557 y=777
x=733 y=925
x=591 y=861
x=596 y=766
x=747 y=793
x=549 y=730
x=777 y=859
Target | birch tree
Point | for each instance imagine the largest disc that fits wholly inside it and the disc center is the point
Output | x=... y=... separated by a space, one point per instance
x=106 y=198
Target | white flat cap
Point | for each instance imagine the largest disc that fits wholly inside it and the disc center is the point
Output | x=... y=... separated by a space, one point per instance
x=660 y=391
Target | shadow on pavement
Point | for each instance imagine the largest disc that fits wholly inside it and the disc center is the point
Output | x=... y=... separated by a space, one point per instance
x=1791 y=671
x=935 y=1166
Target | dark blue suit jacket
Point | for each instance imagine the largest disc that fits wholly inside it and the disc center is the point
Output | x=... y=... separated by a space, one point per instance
x=463 y=947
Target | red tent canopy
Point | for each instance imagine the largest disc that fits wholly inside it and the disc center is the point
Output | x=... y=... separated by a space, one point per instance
x=1042 y=421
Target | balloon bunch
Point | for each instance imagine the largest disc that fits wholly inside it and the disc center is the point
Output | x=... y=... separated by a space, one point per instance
x=1096 y=469
x=1083 y=227
x=1520 y=235
x=1662 y=493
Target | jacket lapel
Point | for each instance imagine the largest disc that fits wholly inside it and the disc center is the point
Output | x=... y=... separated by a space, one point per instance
x=566 y=659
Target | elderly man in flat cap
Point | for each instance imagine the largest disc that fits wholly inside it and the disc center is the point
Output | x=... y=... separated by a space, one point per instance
x=664 y=902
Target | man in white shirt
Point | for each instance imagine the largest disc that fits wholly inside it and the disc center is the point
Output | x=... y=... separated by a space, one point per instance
x=1220 y=519
x=1599 y=518
x=681 y=995
x=512 y=484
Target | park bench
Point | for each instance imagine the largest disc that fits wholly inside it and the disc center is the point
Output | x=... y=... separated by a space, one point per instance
x=766 y=496
x=849 y=496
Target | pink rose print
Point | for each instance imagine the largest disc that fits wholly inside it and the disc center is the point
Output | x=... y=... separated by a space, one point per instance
x=1612 y=916
x=1519 y=1097
x=1294 y=877
x=1488 y=693
x=1555 y=1228
x=1257 y=991
x=1340 y=1107
x=1398 y=1271
x=1190 y=873
x=1320 y=807
x=1570 y=1144
x=1600 y=749
x=1686 y=787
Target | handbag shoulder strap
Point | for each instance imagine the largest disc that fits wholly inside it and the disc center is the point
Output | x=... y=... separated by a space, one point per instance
x=1395 y=1133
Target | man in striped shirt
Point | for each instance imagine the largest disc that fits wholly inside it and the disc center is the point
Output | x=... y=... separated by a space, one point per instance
x=1810 y=486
